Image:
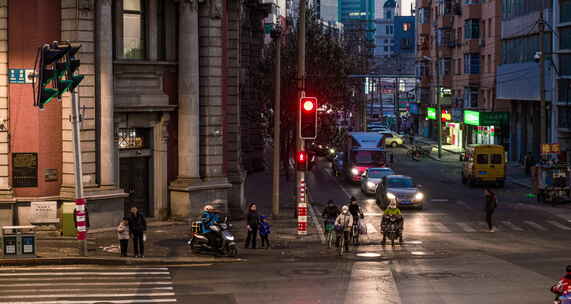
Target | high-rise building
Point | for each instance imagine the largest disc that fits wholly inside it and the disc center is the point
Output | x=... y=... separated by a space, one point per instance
x=457 y=41
x=358 y=17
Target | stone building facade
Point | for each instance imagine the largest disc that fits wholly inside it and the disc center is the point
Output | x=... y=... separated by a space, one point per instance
x=162 y=104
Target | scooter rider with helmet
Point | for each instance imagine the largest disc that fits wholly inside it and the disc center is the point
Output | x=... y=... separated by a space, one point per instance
x=563 y=287
x=392 y=210
x=209 y=218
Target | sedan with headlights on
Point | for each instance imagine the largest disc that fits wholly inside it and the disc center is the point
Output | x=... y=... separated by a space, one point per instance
x=372 y=177
x=400 y=188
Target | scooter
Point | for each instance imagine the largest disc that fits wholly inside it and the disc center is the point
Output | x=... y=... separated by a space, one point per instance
x=199 y=242
x=391 y=227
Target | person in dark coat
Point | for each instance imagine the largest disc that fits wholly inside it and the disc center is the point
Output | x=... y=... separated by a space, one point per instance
x=137 y=228
x=491 y=205
x=265 y=230
x=253 y=222
x=528 y=163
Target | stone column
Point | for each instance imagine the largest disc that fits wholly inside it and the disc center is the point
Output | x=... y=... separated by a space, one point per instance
x=188 y=110
x=152 y=50
x=160 y=140
x=105 y=61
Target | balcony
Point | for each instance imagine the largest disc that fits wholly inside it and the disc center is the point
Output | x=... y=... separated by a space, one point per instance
x=472 y=11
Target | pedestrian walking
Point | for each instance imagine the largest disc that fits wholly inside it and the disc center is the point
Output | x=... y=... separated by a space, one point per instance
x=123 y=235
x=491 y=205
x=253 y=221
x=265 y=230
x=137 y=228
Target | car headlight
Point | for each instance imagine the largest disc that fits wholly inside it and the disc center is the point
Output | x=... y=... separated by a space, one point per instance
x=332 y=151
x=355 y=171
x=391 y=196
x=371 y=185
x=320 y=147
x=419 y=196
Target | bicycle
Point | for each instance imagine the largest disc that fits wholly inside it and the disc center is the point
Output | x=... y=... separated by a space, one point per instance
x=355 y=234
x=330 y=233
x=341 y=248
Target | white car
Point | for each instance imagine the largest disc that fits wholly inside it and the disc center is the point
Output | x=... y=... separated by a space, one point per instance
x=392 y=139
x=372 y=177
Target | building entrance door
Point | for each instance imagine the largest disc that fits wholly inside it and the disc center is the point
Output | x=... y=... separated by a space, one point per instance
x=134 y=179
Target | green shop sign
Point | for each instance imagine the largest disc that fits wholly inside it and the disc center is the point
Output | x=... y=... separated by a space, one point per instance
x=431 y=113
x=476 y=118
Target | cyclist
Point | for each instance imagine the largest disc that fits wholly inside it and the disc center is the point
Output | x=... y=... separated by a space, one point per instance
x=356 y=212
x=330 y=213
x=343 y=225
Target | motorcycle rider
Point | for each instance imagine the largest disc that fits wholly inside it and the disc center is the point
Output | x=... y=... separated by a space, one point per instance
x=563 y=287
x=355 y=211
x=392 y=210
x=330 y=213
x=210 y=217
x=343 y=224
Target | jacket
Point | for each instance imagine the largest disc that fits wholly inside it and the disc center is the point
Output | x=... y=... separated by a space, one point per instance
x=265 y=228
x=392 y=211
x=253 y=220
x=137 y=223
x=123 y=232
x=491 y=203
x=330 y=212
x=563 y=287
x=208 y=219
x=344 y=220
x=355 y=210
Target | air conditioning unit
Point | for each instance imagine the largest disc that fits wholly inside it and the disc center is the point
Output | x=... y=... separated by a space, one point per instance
x=482 y=42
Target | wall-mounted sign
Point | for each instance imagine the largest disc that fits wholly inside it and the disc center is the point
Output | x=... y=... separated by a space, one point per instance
x=550 y=149
x=476 y=118
x=24 y=169
x=43 y=212
x=20 y=75
x=446 y=116
x=431 y=113
x=50 y=175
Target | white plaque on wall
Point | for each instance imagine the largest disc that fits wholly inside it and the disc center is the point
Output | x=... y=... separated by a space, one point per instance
x=43 y=212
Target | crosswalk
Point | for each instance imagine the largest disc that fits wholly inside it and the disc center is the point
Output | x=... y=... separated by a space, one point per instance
x=86 y=285
x=480 y=226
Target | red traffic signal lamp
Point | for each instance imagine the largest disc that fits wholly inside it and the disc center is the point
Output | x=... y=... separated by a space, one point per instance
x=301 y=161
x=308 y=117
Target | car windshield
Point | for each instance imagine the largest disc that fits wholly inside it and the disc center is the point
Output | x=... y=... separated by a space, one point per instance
x=379 y=173
x=368 y=157
x=400 y=183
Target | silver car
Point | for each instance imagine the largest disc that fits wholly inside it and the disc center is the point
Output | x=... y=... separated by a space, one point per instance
x=372 y=177
x=402 y=189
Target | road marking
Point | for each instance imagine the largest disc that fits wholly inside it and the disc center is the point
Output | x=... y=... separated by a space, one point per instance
x=466 y=227
x=535 y=225
x=373 y=214
x=70 y=278
x=512 y=226
x=84 y=273
x=463 y=204
x=370 y=284
x=337 y=182
x=371 y=228
x=90 y=284
x=484 y=226
x=559 y=225
x=93 y=295
x=440 y=227
x=91 y=301
x=317 y=225
x=66 y=290
x=38 y=268
x=439 y=200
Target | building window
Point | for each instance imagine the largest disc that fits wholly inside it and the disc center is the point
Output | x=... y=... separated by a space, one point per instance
x=445 y=66
x=471 y=63
x=564 y=117
x=522 y=49
x=471 y=97
x=565 y=11
x=483 y=60
x=24 y=170
x=472 y=29
x=133 y=138
x=565 y=38
x=424 y=15
x=565 y=64
x=133 y=29
x=564 y=90
x=386 y=48
x=515 y=8
x=445 y=37
x=490 y=65
x=469 y=2
x=406 y=27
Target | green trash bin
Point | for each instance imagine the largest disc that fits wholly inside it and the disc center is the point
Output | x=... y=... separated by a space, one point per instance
x=68 y=225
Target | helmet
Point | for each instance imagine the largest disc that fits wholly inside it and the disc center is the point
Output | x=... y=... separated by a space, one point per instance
x=345 y=209
x=353 y=198
x=568 y=268
x=392 y=204
x=208 y=208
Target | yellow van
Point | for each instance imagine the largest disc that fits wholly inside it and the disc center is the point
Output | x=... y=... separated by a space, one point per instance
x=484 y=164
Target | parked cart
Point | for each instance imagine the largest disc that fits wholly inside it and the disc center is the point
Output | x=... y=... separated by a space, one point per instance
x=551 y=183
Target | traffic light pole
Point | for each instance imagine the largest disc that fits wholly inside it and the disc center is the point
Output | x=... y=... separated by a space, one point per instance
x=300 y=176
x=75 y=120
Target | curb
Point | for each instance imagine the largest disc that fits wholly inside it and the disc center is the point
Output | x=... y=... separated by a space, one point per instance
x=513 y=181
x=114 y=261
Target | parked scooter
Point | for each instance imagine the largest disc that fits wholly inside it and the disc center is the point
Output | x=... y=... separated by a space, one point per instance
x=392 y=227
x=199 y=242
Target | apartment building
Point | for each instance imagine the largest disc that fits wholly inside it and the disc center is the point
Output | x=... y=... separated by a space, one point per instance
x=457 y=53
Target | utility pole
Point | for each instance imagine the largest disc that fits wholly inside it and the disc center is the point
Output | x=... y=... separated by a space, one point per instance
x=542 y=103
x=300 y=175
x=276 y=161
x=76 y=119
x=397 y=104
x=438 y=109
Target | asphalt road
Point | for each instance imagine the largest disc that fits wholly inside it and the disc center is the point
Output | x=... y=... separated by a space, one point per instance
x=448 y=257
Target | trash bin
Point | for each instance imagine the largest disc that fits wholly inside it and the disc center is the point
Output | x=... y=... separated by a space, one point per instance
x=18 y=241
x=68 y=224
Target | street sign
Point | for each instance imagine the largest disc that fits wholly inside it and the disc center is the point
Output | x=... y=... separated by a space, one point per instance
x=20 y=76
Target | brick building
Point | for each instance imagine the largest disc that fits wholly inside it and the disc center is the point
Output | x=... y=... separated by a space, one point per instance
x=460 y=39
x=161 y=103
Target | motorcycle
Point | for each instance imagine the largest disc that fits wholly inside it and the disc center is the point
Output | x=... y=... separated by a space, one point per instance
x=199 y=242
x=391 y=227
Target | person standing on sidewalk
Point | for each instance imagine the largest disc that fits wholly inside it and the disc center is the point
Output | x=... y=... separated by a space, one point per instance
x=253 y=221
x=123 y=235
x=137 y=228
x=265 y=230
x=491 y=205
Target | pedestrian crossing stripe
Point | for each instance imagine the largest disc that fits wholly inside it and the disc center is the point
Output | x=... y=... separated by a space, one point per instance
x=535 y=225
x=479 y=226
x=466 y=227
x=512 y=226
x=441 y=227
x=558 y=225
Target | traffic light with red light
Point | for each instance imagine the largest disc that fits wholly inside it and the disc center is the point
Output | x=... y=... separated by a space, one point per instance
x=301 y=161
x=308 y=117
